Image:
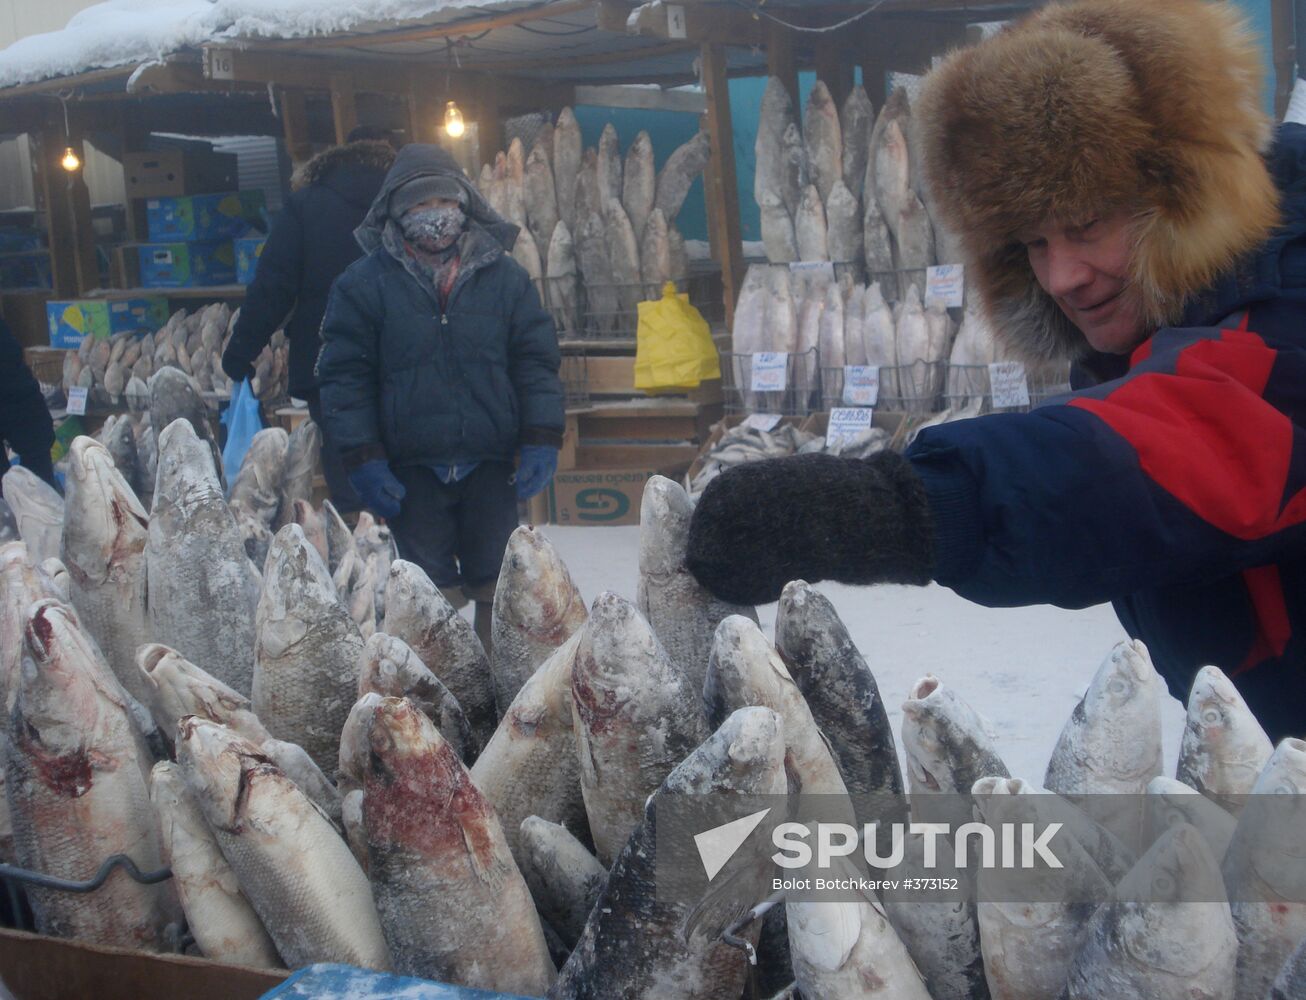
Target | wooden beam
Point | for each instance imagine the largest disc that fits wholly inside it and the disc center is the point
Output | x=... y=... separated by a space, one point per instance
x=780 y=58
x=715 y=25
x=294 y=124
x=905 y=45
x=55 y=84
x=642 y=98
x=489 y=124
x=179 y=77
x=721 y=186
x=261 y=67
x=470 y=26
x=1283 y=38
x=424 y=113
x=67 y=206
x=344 y=111
x=559 y=64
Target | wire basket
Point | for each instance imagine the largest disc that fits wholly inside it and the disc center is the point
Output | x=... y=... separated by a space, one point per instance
x=46 y=364
x=801 y=396
x=575 y=378
x=611 y=311
x=913 y=388
x=966 y=383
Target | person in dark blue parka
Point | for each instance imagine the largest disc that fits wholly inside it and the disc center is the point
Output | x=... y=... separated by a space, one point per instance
x=310 y=244
x=25 y=423
x=438 y=368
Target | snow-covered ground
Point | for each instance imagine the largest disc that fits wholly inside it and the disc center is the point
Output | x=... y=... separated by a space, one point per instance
x=1023 y=669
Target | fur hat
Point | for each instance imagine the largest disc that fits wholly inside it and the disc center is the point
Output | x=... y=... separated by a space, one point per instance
x=1089 y=107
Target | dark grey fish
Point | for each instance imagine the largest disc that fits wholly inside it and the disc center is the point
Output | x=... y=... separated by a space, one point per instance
x=173 y=396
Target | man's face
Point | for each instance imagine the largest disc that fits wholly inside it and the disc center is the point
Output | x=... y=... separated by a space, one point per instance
x=430 y=203
x=1085 y=268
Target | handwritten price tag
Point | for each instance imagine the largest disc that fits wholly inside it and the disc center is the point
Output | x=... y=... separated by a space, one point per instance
x=861 y=385
x=945 y=285
x=770 y=369
x=1010 y=386
x=77 y=401
x=846 y=423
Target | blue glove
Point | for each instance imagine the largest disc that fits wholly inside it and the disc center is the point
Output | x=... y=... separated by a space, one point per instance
x=378 y=488
x=538 y=464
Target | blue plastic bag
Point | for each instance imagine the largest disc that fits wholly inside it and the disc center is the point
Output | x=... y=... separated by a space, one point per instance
x=243 y=422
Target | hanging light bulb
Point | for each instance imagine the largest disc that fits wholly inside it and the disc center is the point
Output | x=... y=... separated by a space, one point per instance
x=453 y=121
x=70 y=162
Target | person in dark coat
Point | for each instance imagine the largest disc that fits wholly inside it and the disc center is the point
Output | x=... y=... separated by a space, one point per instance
x=438 y=368
x=1124 y=203
x=310 y=245
x=25 y=423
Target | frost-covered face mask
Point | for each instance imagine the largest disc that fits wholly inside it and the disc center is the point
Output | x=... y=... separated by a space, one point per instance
x=433 y=229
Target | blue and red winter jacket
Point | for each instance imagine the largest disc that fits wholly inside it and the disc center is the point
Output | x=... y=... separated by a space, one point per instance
x=1173 y=487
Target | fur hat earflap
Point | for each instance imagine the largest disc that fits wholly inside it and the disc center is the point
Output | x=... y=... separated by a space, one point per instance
x=1091 y=107
x=363 y=153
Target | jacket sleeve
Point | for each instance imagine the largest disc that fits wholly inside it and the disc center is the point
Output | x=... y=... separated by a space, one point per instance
x=271 y=296
x=533 y=363
x=24 y=420
x=1186 y=470
x=347 y=369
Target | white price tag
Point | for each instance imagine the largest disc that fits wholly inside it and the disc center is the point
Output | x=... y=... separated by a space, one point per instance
x=945 y=285
x=675 y=21
x=77 y=401
x=815 y=267
x=861 y=385
x=770 y=370
x=762 y=421
x=846 y=423
x=1010 y=387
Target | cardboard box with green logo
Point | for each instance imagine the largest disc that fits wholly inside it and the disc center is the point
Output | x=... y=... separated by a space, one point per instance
x=205 y=216
x=72 y=321
x=187 y=265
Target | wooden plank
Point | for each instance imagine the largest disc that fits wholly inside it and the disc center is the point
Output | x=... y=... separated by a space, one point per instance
x=58 y=83
x=294 y=122
x=559 y=66
x=466 y=26
x=642 y=98
x=424 y=114
x=633 y=456
x=705 y=26
x=721 y=183
x=611 y=375
x=35 y=967
x=638 y=428
x=780 y=58
x=344 y=110
x=833 y=70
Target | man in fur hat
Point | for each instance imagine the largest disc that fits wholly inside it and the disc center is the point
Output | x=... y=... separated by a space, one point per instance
x=310 y=245
x=438 y=367
x=1121 y=203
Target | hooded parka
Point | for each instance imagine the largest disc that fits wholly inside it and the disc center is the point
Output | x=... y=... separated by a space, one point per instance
x=407 y=377
x=1173 y=482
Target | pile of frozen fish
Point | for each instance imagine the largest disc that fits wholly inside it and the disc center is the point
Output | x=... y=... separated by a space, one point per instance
x=120 y=368
x=408 y=802
x=598 y=232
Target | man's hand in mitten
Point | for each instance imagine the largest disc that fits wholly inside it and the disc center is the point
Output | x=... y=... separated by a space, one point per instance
x=811 y=517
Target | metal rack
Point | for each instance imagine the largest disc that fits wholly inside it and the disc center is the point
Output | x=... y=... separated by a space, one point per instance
x=965 y=383
x=611 y=312
x=913 y=388
x=801 y=396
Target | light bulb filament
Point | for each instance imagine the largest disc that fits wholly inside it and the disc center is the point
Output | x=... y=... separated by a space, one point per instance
x=453 y=120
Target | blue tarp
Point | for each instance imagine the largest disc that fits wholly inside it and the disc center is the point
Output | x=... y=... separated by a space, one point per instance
x=345 y=982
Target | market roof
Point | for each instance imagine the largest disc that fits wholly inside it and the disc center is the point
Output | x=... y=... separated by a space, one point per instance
x=579 y=40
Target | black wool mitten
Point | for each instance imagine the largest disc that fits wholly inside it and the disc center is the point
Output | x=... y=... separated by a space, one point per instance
x=811 y=517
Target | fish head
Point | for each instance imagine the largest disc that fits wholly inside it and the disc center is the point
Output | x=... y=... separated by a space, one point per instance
x=744 y=668
x=218 y=764
x=664 y=516
x=111 y=525
x=388 y=665
x=923 y=722
x=1170 y=804
x=745 y=755
x=354 y=741
x=1177 y=868
x=185 y=463
x=535 y=592
x=303 y=514
x=1123 y=678
x=179 y=688
x=1220 y=723
x=295 y=571
x=410 y=596
x=616 y=651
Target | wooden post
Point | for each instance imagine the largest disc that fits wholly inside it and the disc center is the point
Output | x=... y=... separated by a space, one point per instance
x=489 y=123
x=294 y=124
x=721 y=186
x=425 y=113
x=875 y=82
x=780 y=58
x=831 y=68
x=67 y=205
x=344 y=112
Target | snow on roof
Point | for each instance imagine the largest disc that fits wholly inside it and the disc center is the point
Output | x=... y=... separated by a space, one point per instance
x=126 y=32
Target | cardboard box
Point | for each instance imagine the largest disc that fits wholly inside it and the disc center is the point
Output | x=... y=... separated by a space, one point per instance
x=597 y=496
x=205 y=217
x=248 y=250
x=26 y=270
x=177 y=172
x=20 y=240
x=35 y=967
x=187 y=265
x=70 y=322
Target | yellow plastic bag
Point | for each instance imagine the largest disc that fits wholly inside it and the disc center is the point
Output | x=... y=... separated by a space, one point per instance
x=673 y=346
